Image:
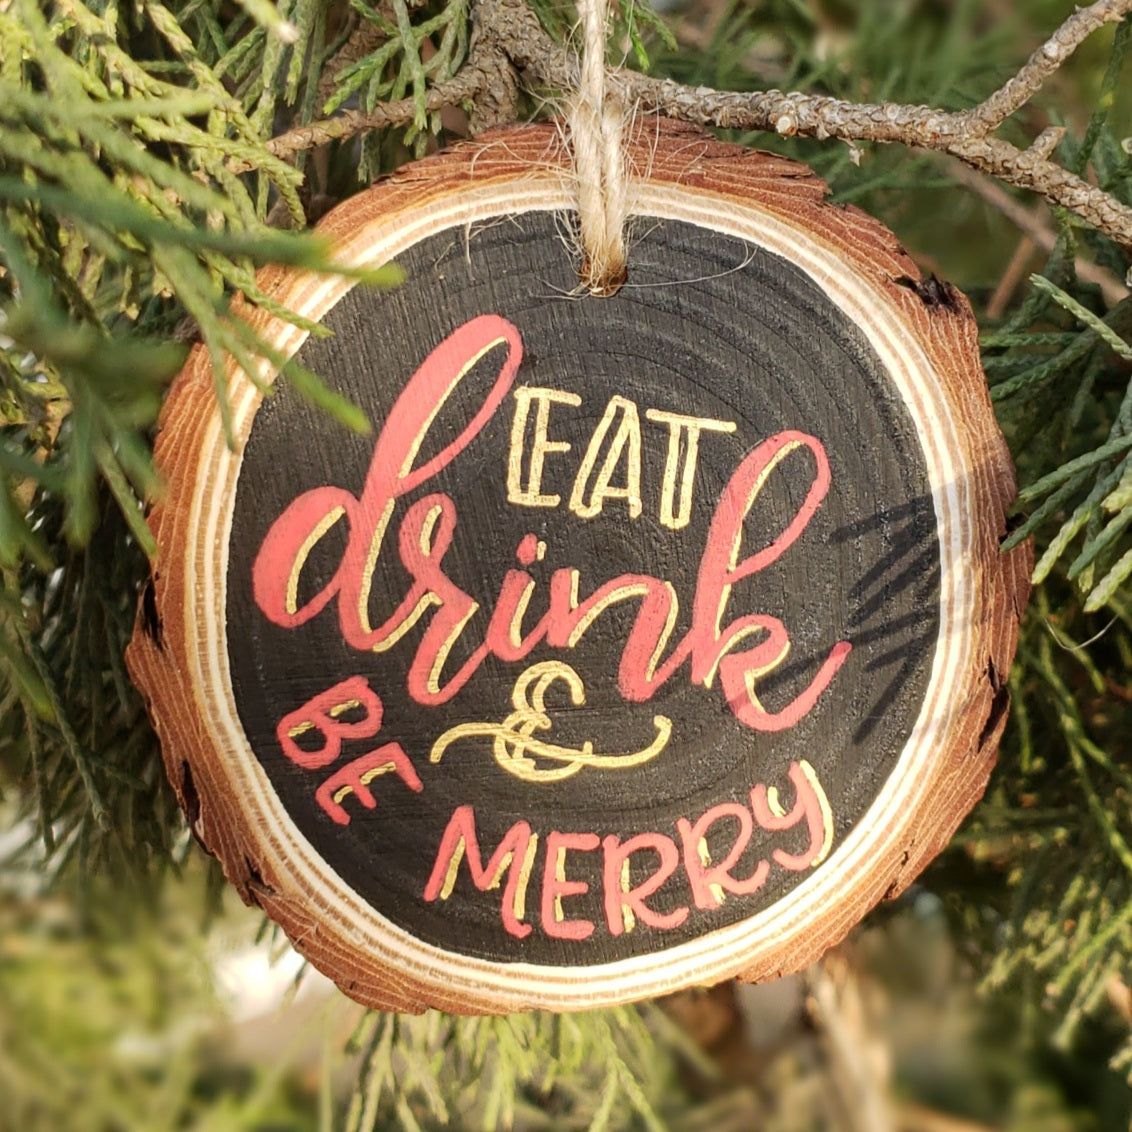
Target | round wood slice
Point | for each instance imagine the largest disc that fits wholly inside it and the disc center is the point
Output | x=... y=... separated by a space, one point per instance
x=647 y=640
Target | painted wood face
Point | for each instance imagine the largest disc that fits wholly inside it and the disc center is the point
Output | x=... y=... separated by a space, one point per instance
x=642 y=592
x=647 y=640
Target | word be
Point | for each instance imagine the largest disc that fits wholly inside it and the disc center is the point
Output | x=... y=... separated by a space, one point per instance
x=332 y=717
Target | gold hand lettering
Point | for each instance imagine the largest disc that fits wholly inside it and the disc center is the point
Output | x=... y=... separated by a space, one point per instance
x=519 y=752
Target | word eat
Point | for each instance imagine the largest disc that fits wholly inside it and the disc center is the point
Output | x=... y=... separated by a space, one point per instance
x=591 y=490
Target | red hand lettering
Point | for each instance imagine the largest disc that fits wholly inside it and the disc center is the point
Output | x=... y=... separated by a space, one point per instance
x=322 y=714
x=292 y=537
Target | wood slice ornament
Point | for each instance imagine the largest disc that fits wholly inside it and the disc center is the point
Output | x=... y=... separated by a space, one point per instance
x=649 y=640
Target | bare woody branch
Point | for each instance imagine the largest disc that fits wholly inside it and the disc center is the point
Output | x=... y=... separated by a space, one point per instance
x=1016 y=92
x=461 y=88
x=965 y=134
x=509 y=33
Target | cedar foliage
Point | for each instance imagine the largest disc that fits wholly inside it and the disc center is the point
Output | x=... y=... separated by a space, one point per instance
x=139 y=192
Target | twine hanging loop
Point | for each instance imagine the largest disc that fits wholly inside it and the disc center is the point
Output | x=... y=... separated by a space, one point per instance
x=596 y=120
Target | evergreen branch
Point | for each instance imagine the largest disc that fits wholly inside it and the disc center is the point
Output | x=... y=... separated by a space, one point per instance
x=365 y=39
x=1072 y=470
x=604 y=1065
x=413 y=64
x=1106 y=589
x=120 y=214
x=1118 y=345
x=473 y=79
x=1044 y=63
x=1074 y=525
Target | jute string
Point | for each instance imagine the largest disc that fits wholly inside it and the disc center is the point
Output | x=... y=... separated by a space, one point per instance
x=596 y=119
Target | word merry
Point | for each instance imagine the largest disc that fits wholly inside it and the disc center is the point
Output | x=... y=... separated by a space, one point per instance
x=624 y=903
x=711 y=646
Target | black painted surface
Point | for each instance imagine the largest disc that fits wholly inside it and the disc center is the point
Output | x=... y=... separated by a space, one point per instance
x=706 y=326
